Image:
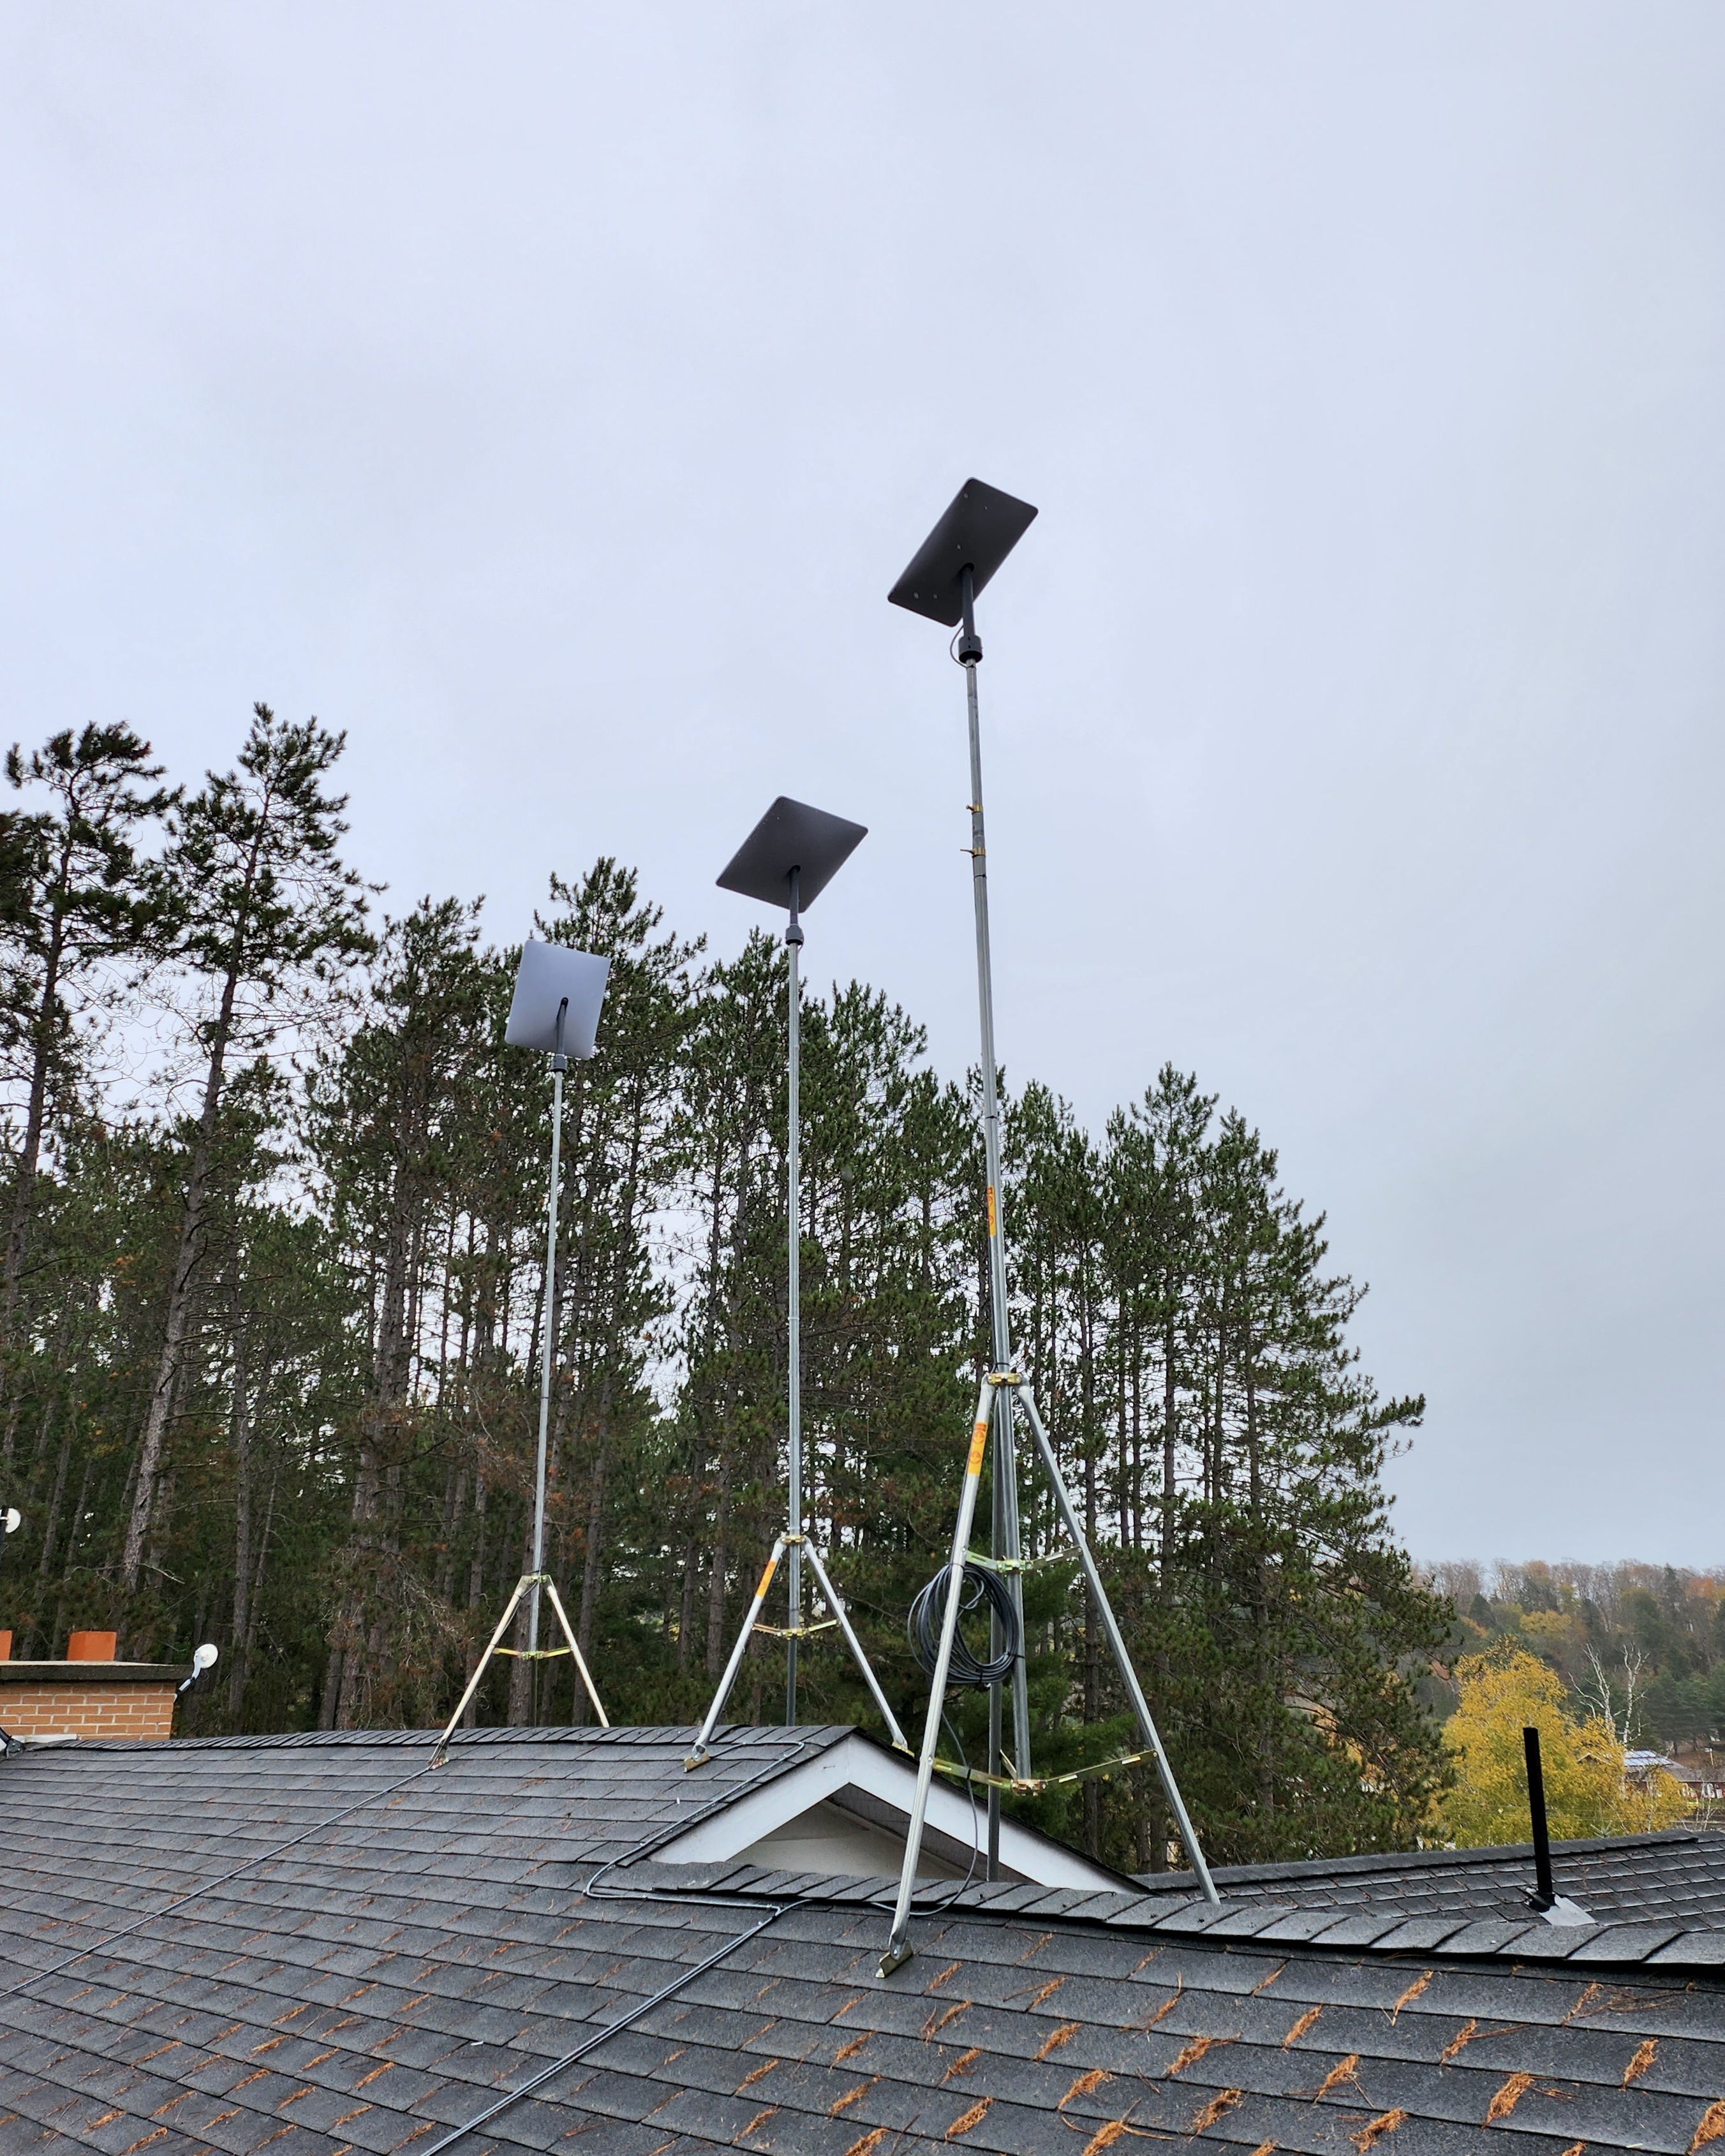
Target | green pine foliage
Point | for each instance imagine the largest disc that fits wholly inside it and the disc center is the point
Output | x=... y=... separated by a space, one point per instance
x=270 y=1330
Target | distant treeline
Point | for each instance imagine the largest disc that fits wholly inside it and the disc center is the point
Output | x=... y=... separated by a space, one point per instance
x=274 y=1283
x=1642 y=1644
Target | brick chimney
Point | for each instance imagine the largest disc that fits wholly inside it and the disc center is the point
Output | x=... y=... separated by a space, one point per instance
x=89 y=1694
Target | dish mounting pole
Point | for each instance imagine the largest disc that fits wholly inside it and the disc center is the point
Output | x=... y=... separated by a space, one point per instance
x=1003 y=1489
x=791 y=855
x=928 y=587
x=530 y=1582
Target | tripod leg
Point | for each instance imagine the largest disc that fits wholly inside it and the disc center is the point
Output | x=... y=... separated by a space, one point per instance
x=580 y=1659
x=855 y=1646
x=520 y=1589
x=898 y=1947
x=1124 y=1660
x=734 y=1663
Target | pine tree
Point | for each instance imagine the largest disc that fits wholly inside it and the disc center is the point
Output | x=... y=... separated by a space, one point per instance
x=267 y=920
x=386 y=1121
x=79 y=898
x=274 y=1370
x=1271 y=1613
x=619 y=1168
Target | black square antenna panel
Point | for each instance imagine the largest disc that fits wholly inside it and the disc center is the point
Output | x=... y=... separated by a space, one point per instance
x=791 y=836
x=977 y=532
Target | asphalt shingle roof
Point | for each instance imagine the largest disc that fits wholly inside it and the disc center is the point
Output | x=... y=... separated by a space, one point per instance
x=384 y=1979
x=1678 y=1875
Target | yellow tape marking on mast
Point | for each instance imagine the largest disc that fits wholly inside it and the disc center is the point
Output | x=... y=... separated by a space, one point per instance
x=979 y=1439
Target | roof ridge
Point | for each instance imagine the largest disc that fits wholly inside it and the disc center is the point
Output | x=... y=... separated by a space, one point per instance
x=1379 y=1860
x=1665 y=1944
x=672 y=1734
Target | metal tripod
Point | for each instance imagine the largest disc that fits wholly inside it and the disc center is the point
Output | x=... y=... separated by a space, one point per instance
x=1000 y=1386
x=529 y=1583
x=794 y=1543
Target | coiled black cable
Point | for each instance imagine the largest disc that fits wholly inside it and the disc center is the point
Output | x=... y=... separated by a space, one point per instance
x=982 y=1584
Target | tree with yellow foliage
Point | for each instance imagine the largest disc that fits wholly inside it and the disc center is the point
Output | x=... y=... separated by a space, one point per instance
x=1587 y=1792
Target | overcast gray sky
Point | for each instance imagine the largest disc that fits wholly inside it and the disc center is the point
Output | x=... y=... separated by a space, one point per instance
x=548 y=394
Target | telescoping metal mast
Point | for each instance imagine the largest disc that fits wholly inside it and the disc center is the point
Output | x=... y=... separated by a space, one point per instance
x=558 y=994
x=979 y=529
x=788 y=858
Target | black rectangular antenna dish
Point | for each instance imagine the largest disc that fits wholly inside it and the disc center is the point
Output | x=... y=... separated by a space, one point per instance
x=977 y=532
x=791 y=836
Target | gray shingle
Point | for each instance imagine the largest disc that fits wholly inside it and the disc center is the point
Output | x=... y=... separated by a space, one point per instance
x=1625 y=1942
x=1293 y=1924
x=1243 y=1923
x=1361 y=1928
x=1691 y=1950
x=402 y=1968
x=1419 y=1934
x=1488 y=1935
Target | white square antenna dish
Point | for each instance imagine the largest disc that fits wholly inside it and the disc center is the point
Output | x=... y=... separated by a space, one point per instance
x=550 y=974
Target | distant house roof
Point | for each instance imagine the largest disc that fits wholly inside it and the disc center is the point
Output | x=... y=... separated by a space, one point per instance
x=372 y=1954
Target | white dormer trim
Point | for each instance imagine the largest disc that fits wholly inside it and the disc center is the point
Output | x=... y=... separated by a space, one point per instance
x=873 y=1784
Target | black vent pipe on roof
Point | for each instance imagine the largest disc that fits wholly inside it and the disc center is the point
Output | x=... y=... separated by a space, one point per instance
x=1544 y=1894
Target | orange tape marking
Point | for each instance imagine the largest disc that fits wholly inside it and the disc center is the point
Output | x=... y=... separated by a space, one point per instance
x=979 y=1439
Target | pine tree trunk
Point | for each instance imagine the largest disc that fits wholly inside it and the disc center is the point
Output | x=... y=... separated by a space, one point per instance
x=23 y=1193
x=261 y=1565
x=53 y=1508
x=692 y=1549
x=327 y=1705
x=79 y=1510
x=476 y=1570
x=717 y=1642
x=187 y=1255
x=595 y=1544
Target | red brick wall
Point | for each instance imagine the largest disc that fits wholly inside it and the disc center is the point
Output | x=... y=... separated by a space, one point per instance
x=87 y=1710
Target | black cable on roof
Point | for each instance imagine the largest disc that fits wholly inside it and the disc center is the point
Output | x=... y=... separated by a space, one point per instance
x=208 y=1885
x=771 y=1912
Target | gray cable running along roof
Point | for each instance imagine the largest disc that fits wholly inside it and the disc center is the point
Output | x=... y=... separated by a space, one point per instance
x=401 y=1968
